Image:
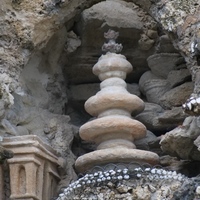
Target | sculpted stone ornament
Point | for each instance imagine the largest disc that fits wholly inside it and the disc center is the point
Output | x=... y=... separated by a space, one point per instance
x=111 y=46
x=114 y=131
x=33 y=168
x=127 y=182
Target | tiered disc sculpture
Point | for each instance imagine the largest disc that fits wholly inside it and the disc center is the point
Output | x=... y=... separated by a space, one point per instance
x=114 y=131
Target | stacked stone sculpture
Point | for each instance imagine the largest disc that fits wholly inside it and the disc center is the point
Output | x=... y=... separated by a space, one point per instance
x=113 y=130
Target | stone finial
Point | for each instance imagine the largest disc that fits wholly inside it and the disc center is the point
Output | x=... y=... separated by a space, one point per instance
x=111 y=45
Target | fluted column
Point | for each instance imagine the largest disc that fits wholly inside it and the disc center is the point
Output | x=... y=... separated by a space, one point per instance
x=114 y=130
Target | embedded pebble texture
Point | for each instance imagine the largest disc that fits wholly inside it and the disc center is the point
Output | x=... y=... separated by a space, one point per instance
x=144 y=183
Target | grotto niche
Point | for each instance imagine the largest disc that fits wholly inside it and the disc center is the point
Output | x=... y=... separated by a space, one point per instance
x=48 y=49
x=116 y=169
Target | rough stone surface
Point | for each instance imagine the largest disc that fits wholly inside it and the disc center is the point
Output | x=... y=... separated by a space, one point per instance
x=158 y=120
x=27 y=26
x=80 y=93
x=165 y=45
x=153 y=87
x=177 y=77
x=144 y=142
x=33 y=93
x=175 y=97
x=130 y=19
x=161 y=64
x=174 y=116
x=181 y=20
x=119 y=182
x=148 y=116
x=180 y=141
x=46 y=45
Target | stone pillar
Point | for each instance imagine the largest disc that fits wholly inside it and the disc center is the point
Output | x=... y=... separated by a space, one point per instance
x=114 y=130
x=33 y=168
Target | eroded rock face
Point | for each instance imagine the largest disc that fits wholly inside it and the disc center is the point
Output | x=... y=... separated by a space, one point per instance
x=169 y=62
x=153 y=87
x=133 y=24
x=47 y=50
x=183 y=140
x=158 y=120
x=181 y=21
x=33 y=90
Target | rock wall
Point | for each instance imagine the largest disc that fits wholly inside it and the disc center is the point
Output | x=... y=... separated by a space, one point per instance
x=48 y=49
x=33 y=88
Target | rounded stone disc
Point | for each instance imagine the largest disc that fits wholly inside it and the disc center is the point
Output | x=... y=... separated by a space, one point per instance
x=115 y=155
